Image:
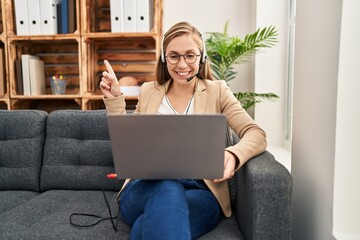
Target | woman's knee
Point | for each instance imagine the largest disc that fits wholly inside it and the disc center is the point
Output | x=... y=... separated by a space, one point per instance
x=167 y=193
x=168 y=186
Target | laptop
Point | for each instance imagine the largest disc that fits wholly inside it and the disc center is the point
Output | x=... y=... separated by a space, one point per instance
x=168 y=146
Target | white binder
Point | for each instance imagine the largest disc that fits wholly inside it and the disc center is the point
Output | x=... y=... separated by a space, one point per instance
x=129 y=15
x=142 y=16
x=48 y=17
x=37 y=77
x=33 y=8
x=21 y=16
x=117 y=15
x=26 y=72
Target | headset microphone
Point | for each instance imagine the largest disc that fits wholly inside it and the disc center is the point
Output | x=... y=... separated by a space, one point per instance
x=196 y=75
x=191 y=78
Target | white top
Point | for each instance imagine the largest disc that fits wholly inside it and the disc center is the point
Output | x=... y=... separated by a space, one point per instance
x=166 y=108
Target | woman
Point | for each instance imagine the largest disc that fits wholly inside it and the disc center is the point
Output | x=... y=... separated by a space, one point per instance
x=183 y=209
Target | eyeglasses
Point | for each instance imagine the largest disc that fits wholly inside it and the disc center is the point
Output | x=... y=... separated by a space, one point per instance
x=189 y=58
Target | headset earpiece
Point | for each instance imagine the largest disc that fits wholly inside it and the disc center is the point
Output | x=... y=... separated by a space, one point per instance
x=203 y=57
x=162 y=50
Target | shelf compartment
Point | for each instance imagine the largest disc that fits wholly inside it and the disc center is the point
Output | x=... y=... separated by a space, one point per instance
x=97 y=16
x=4 y=92
x=60 y=56
x=11 y=20
x=47 y=105
x=134 y=57
x=94 y=103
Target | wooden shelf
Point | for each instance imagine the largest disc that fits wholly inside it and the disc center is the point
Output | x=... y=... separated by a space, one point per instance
x=40 y=38
x=79 y=56
x=47 y=96
x=96 y=102
x=47 y=104
x=124 y=35
x=100 y=97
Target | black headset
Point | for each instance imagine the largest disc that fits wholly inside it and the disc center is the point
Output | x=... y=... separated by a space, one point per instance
x=203 y=56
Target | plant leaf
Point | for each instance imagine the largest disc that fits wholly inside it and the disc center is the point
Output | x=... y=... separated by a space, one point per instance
x=249 y=99
x=226 y=51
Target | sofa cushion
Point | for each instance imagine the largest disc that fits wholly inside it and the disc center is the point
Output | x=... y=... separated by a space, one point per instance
x=77 y=153
x=12 y=199
x=22 y=134
x=47 y=217
x=227 y=229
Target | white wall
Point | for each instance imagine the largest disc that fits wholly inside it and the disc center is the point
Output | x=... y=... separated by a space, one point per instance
x=315 y=90
x=346 y=214
x=270 y=70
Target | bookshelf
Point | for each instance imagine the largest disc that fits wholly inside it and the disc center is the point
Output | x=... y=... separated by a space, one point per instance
x=78 y=56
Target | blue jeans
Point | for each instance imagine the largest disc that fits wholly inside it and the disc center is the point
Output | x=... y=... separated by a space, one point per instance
x=168 y=209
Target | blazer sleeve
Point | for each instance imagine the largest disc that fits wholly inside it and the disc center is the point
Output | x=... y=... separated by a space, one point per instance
x=116 y=105
x=252 y=137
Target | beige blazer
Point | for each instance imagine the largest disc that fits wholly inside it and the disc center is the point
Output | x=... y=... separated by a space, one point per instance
x=209 y=97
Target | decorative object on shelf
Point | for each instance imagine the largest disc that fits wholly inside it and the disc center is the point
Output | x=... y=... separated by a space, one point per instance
x=128 y=81
x=225 y=51
x=129 y=86
x=58 y=85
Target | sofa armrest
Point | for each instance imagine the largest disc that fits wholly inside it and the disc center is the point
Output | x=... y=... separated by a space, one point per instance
x=263 y=201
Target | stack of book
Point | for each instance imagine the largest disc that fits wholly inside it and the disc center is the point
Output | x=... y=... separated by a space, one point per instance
x=30 y=75
x=44 y=17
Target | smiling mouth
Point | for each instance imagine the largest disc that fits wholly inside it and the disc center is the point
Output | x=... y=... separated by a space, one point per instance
x=183 y=74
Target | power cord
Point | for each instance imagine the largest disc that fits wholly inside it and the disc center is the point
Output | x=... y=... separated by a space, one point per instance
x=100 y=218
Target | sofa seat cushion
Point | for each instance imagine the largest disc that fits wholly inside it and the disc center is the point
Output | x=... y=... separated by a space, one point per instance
x=12 y=199
x=47 y=217
x=227 y=229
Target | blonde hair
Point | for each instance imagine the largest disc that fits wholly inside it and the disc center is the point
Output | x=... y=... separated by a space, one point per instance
x=180 y=29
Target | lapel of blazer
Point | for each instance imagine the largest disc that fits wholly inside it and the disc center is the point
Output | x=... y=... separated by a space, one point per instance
x=156 y=98
x=200 y=97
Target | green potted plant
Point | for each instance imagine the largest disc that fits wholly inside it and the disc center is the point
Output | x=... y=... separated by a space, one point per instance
x=225 y=51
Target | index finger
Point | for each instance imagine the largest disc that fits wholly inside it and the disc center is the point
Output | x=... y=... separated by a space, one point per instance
x=108 y=67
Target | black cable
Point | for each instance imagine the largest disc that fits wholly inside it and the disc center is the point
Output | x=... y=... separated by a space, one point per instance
x=100 y=218
x=111 y=217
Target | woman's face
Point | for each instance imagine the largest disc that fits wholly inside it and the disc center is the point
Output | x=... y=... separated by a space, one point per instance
x=183 y=69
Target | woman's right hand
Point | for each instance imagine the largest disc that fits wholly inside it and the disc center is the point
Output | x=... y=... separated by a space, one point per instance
x=109 y=84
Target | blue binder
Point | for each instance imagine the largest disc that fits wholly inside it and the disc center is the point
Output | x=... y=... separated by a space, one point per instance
x=64 y=17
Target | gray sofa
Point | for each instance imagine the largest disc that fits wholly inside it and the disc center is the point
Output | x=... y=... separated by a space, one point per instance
x=53 y=165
